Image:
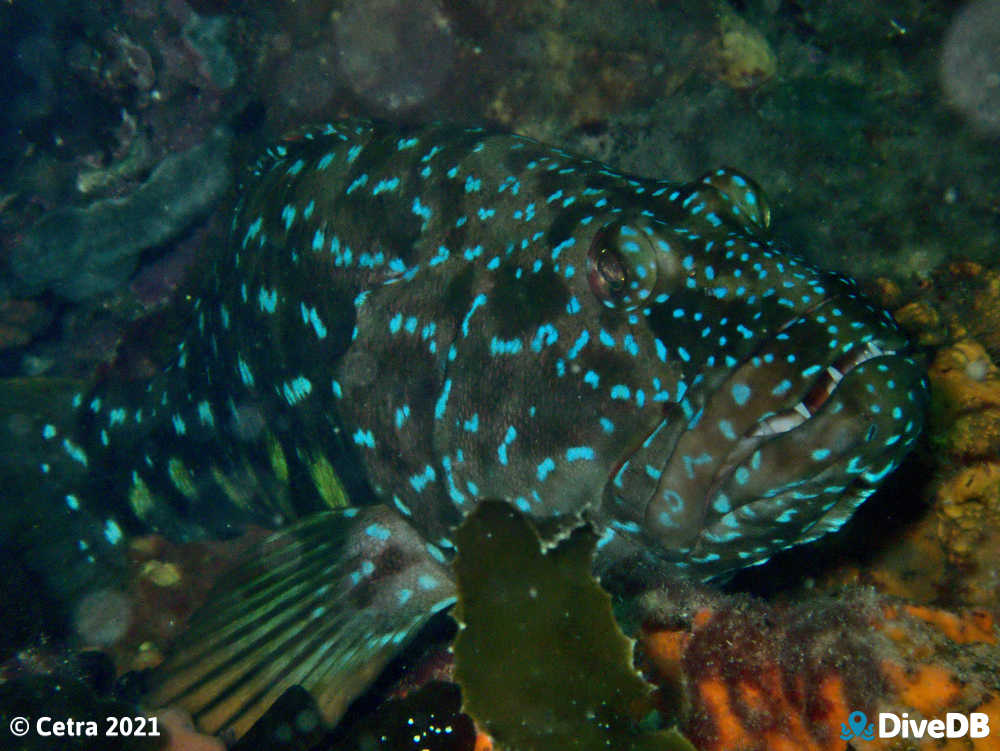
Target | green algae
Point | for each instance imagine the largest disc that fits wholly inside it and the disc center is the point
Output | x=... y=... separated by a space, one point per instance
x=541 y=662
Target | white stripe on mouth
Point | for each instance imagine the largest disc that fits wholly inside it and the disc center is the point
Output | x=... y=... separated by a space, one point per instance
x=802 y=411
x=819 y=393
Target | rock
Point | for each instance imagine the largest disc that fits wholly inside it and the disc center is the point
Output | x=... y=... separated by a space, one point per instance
x=21 y=321
x=740 y=56
x=83 y=252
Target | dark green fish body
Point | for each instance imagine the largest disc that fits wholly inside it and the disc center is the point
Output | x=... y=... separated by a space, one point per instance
x=435 y=315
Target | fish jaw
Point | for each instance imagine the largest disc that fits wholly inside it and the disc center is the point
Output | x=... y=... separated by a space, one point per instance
x=784 y=448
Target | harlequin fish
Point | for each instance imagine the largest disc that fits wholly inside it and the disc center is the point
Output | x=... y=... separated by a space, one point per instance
x=418 y=318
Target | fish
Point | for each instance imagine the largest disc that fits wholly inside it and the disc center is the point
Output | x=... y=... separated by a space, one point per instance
x=410 y=319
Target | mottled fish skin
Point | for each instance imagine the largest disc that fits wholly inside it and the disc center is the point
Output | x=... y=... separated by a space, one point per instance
x=441 y=314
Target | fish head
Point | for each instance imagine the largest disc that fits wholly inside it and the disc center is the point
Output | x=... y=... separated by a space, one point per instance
x=705 y=394
x=797 y=395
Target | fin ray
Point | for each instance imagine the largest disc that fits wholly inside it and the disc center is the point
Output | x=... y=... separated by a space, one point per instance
x=324 y=604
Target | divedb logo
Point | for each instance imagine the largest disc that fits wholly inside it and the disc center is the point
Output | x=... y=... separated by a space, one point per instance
x=892 y=725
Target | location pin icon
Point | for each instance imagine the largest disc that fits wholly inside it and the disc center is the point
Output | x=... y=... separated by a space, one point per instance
x=857 y=721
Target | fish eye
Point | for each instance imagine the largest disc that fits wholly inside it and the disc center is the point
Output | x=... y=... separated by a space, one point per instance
x=611 y=269
x=621 y=265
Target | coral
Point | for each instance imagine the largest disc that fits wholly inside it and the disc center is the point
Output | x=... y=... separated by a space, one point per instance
x=48 y=100
x=114 y=65
x=966 y=399
x=737 y=673
x=966 y=426
x=950 y=553
x=922 y=319
x=207 y=37
x=555 y=67
x=968 y=297
x=101 y=96
x=787 y=676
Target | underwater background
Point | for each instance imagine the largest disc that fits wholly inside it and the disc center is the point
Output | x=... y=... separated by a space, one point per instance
x=872 y=127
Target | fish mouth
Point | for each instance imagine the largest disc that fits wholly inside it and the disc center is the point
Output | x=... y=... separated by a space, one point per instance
x=664 y=429
x=773 y=425
x=820 y=392
x=813 y=414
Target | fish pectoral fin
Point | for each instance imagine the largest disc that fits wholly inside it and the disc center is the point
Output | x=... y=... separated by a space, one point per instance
x=324 y=604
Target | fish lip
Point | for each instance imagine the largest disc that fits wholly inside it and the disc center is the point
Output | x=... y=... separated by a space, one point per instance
x=784 y=422
x=826 y=384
